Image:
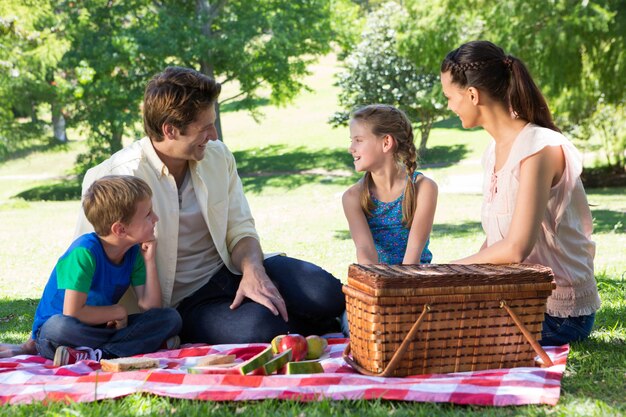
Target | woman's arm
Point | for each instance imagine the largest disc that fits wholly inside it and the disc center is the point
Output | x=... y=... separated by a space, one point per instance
x=538 y=173
x=359 y=229
x=149 y=295
x=426 y=192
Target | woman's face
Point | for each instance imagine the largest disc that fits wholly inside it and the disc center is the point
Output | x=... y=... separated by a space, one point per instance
x=460 y=101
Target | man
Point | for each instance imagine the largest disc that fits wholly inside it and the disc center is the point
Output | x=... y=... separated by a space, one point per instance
x=209 y=259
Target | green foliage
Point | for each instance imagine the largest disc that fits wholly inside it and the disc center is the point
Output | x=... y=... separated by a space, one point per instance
x=605 y=132
x=574 y=49
x=376 y=73
x=31 y=46
x=347 y=21
x=117 y=46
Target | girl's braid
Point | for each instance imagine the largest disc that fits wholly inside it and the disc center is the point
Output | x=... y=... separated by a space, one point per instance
x=406 y=153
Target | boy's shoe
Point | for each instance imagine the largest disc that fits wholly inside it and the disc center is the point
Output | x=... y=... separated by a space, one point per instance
x=65 y=355
x=171 y=343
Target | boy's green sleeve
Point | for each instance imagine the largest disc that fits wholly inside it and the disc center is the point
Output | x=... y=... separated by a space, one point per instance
x=75 y=270
x=138 y=276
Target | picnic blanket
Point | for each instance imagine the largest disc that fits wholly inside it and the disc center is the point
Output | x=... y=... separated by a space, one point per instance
x=26 y=379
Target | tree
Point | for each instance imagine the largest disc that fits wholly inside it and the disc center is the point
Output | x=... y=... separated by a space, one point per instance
x=347 y=20
x=574 y=49
x=251 y=45
x=376 y=73
x=29 y=53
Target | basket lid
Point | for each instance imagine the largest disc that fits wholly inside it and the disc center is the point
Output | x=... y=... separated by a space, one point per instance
x=447 y=275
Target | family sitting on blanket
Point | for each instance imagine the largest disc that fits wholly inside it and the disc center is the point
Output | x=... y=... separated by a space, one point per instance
x=209 y=259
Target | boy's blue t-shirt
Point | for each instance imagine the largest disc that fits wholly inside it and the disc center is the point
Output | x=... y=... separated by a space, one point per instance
x=389 y=234
x=84 y=267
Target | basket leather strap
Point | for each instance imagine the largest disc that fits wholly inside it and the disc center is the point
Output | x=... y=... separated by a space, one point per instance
x=529 y=338
x=397 y=357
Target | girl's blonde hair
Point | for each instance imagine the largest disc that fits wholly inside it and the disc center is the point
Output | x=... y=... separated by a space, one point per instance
x=384 y=120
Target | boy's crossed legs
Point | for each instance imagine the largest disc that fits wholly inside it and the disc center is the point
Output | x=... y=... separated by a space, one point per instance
x=145 y=332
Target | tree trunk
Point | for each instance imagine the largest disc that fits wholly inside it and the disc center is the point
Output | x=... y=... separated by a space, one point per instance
x=58 y=124
x=427 y=123
x=204 y=7
x=33 y=111
x=116 y=140
x=218 y=122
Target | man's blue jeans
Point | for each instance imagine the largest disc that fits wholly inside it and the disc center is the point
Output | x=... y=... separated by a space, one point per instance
x=313 y=298
x=145 y=333
x=558 y=331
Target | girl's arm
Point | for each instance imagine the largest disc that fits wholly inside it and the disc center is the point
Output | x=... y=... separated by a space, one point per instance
x=74 y=305
x=426 y=192
x=359 y=229
x=149 y=295
x=538 y=173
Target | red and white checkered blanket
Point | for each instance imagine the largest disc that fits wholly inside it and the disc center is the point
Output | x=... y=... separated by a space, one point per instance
x=25 y=379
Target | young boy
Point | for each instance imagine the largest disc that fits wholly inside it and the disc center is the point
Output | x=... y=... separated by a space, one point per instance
x=78 y=316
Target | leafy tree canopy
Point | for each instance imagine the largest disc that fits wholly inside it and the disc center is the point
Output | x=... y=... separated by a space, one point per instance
x=574 y=49
x=248 y=46
x=31 y=45
x=376 y=73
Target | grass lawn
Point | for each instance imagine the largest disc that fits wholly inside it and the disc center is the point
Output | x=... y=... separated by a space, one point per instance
x=294 y=168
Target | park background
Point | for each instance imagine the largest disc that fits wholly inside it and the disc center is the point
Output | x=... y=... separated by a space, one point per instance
x=278 y=110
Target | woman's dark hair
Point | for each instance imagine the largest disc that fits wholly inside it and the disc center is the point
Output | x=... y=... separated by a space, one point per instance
x=485 y=66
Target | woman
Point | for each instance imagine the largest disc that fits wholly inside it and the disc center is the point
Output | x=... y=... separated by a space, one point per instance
x=535 y=209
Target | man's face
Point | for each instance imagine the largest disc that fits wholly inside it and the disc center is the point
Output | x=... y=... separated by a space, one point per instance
x=191 y=143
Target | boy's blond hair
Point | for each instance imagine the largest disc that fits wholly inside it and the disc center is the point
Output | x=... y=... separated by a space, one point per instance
x=113 y=198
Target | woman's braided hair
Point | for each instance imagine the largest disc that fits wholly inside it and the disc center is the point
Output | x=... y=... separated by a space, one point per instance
x=485 y=66
x=384 y=119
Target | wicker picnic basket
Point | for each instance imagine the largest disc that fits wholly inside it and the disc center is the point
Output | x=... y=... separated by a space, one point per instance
x=424 y=319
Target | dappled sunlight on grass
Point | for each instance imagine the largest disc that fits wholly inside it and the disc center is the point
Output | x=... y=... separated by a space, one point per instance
x=283 y=158
x=441 y=156
x=60 y=191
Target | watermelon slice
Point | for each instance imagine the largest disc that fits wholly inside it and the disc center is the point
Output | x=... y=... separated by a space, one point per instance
x=304 y=367
x=257 y=361
x=278 y=362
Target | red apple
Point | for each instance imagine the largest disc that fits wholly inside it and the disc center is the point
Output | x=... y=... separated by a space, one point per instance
x=297 y=343
x=276 y=342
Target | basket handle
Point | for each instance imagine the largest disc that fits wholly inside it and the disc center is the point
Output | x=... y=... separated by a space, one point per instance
x=529 y=338
x=397 y=357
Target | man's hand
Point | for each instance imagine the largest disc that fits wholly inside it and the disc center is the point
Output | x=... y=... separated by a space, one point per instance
x=257 y=286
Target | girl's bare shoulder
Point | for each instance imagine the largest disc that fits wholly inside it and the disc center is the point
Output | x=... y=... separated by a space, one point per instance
x=422 y=182
x=353 y=193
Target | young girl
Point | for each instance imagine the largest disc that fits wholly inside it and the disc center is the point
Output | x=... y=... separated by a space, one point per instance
x=390 y=210
x=534 y=208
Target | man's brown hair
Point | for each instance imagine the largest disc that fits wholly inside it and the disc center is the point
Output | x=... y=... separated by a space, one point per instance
x=113 y=198
x=176 y=96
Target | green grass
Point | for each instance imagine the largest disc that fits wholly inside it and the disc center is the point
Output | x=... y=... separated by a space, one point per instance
x=294 y=168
